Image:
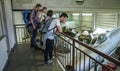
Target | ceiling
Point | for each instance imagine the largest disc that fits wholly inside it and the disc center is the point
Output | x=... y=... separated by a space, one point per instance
x=67 y=4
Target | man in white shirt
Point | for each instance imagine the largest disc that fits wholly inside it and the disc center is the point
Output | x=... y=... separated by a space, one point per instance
x=50 y=37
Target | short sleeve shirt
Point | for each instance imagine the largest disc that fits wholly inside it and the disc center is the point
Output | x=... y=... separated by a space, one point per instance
x=53 y=24
x=34 y=16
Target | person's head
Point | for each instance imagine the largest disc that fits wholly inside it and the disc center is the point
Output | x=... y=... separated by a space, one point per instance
x=50 y=13
x=38 y=7
x=44 y=10
x=63 y=17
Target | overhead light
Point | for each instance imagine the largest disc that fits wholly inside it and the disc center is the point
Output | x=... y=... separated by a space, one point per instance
x=79 y=2
x=75 y=14
x=86 y=14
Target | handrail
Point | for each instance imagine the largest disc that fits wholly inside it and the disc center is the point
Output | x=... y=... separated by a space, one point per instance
x=92 y=58
x=78 y=59
x=19 y=24
x=74 y=48
x=21 y=33
x=117 y=62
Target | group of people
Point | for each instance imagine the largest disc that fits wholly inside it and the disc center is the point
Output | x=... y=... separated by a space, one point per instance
x=49 y=39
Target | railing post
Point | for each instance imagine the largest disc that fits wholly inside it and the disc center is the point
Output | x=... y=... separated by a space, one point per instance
x=55 y=47
x=15 y=34
x=73 y=55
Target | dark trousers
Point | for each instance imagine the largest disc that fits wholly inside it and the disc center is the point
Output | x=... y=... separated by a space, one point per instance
x=49 y=49
x=33 y=38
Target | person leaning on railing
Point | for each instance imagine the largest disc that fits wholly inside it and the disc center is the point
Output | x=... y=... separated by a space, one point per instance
x=49 y=39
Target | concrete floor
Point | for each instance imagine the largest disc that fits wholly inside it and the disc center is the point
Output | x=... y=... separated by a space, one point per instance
x=24 y=58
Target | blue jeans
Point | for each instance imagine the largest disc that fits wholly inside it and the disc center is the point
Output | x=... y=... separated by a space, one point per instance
x=33 y=37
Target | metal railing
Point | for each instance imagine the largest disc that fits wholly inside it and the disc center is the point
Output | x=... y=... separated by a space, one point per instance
x=22 y=34
x=78 y=56
x=71 y=53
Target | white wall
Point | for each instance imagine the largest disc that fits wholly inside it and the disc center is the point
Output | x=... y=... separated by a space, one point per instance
x=3 y=53
x=9 y=22
x=3 y=43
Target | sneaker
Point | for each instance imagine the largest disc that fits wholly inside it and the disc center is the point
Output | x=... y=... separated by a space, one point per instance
x=53 y=58
x=50 y=61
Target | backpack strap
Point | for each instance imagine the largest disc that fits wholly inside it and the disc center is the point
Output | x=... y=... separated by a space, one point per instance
x=52 y=29
x=46 y=24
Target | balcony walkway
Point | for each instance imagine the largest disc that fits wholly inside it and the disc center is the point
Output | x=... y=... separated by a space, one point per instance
x=24 y=58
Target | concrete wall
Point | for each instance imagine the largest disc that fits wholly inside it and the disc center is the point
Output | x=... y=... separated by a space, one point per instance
x=67 y=5
x=9 y=22
x=8 y=41
x=3 y=53
x=3 y=43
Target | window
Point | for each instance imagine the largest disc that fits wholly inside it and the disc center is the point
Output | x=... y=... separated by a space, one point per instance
x=87 y=21
x=76 y=19
x=106 y=20
x=118 y=20
x=18 y=17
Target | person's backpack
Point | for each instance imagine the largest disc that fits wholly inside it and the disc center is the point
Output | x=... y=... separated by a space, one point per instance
x=44 y=26
x=26 y=17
